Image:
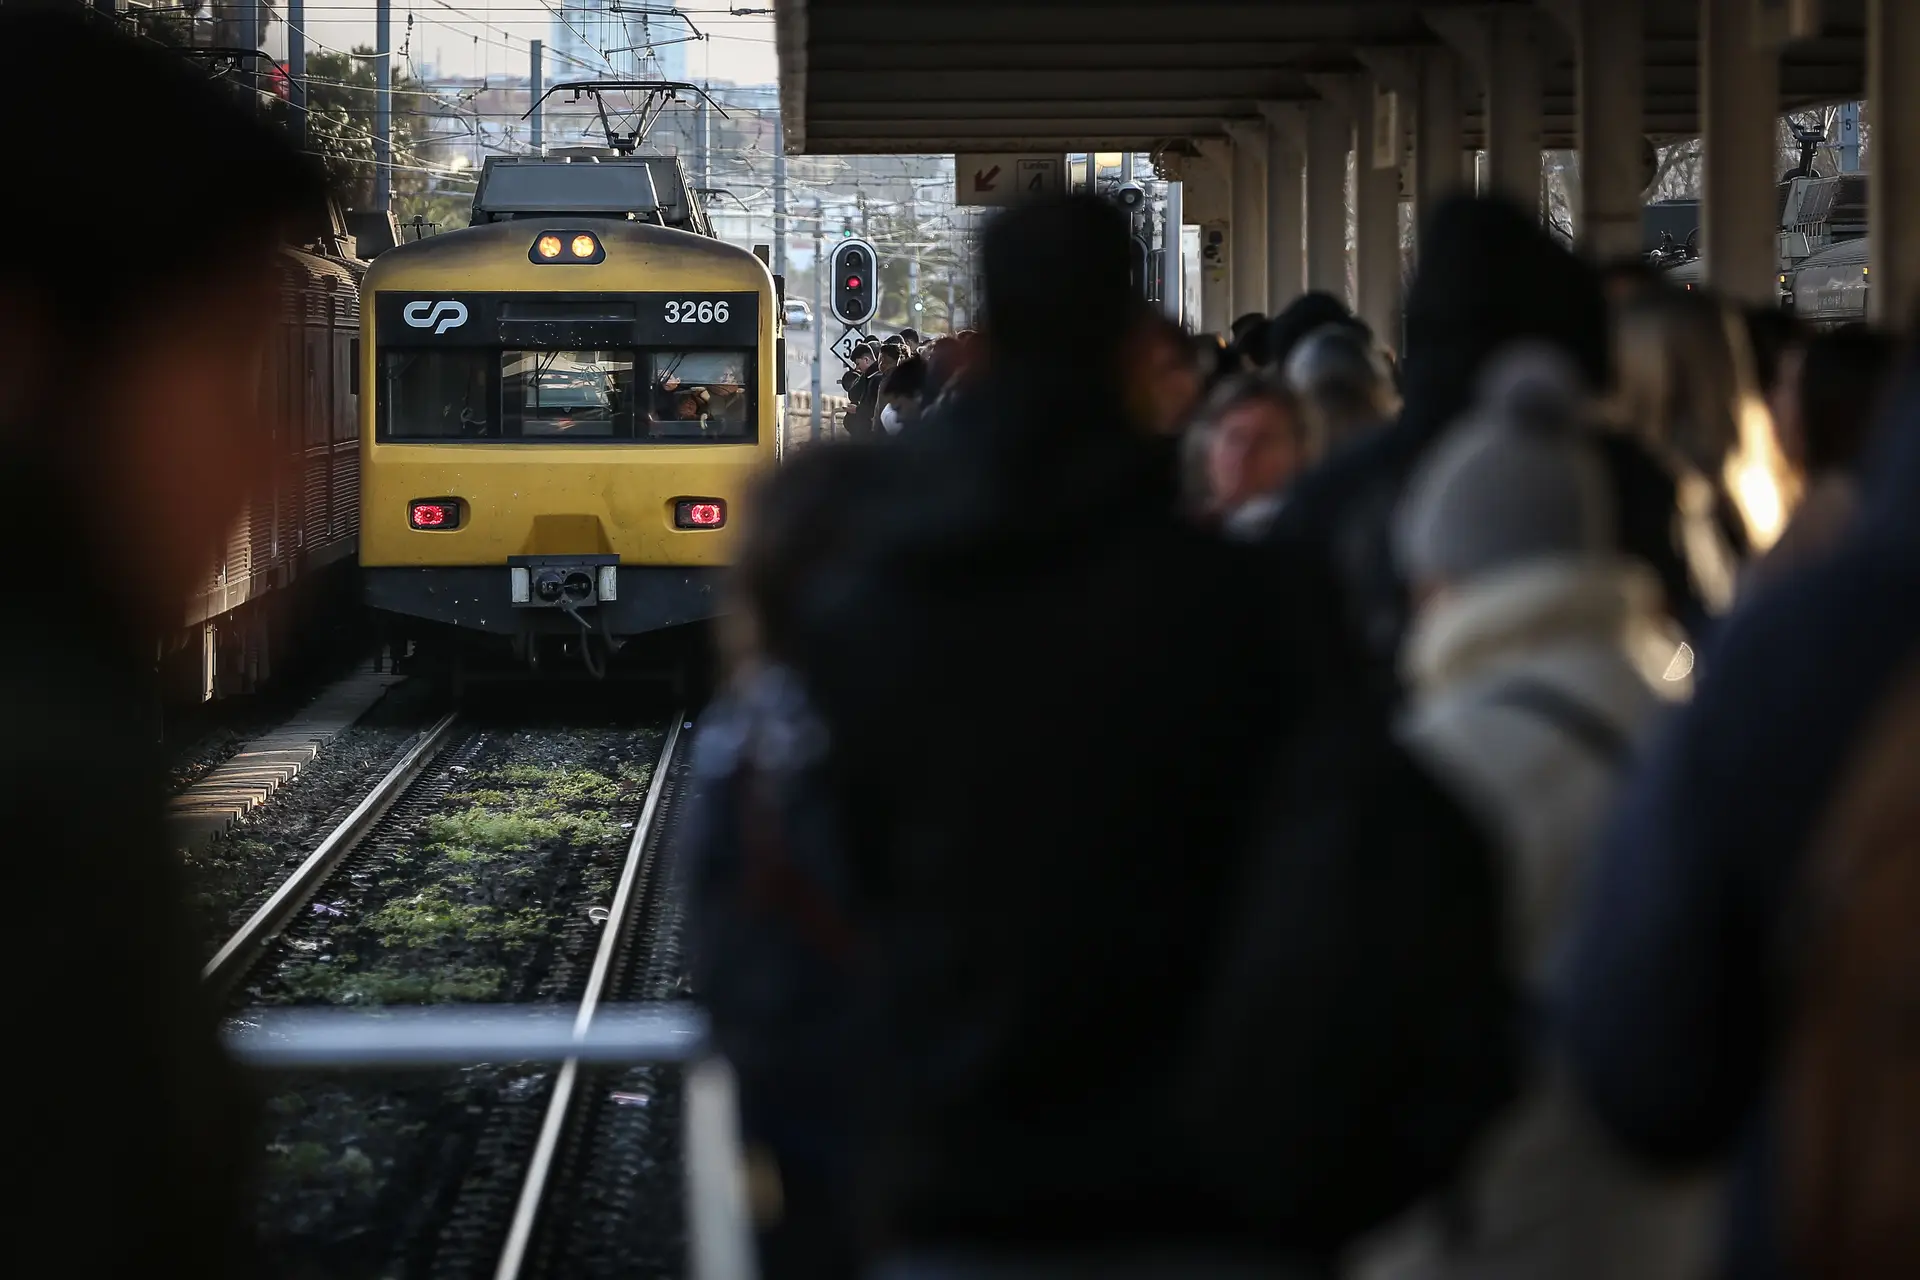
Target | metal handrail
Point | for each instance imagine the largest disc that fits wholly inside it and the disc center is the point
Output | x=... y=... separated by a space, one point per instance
x=340 y=1039
x=719 y=1219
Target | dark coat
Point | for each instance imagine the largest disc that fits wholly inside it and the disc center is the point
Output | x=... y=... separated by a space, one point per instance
x=1674 y=1002
x=135 y=1111
x=1051 y=703
x=1055 y=710
x=774 y=949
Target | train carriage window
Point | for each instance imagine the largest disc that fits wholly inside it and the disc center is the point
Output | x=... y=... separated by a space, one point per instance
x=313 y=383
x=567 y=395
x=343 y=424
x=439 y=395
x=699 y=395
x=556 y=396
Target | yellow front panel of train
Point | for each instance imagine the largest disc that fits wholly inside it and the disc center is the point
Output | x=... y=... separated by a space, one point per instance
x=580 y=500
x=592 y=389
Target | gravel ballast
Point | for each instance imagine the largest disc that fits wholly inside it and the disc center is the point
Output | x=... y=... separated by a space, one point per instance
x=481 y=885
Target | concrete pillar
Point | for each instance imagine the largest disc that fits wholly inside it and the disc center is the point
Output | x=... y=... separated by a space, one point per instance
x=1893 y=89
x=1438 y=142
x=1740 y=102
x=1328 y=136
x=1207 y=200
x=1173 y=276
x=1611 y=80
x=1377 y=141
x=1286 y=214
x=1514 y=103
x=1249 y=270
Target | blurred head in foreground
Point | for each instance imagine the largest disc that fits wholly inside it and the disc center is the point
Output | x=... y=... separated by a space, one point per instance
x=139 y=302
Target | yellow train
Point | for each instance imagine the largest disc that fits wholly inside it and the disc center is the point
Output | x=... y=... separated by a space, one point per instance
x=570 y=398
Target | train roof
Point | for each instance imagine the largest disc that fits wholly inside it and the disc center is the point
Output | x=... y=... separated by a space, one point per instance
x=462 y=257
x=1692 y=271
x=311 y=285
x=588 y=182
x=1844 y=253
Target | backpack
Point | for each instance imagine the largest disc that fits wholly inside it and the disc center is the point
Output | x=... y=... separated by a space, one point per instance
x=1364 y=1026
x=1852 y=1063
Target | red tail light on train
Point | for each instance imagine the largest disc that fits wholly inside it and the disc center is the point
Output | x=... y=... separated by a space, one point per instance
x=699 y=513
x=434 y=513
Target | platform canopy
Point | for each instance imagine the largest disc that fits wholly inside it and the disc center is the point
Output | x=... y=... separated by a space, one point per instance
x=1069 y=75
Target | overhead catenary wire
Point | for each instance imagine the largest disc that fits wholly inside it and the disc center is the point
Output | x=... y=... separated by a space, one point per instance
x=481 y=109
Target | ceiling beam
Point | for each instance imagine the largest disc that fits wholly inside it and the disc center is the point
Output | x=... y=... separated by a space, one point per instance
x=1030 y=109
x=1063 y=86
x=1129 y=58
x=1142 y=24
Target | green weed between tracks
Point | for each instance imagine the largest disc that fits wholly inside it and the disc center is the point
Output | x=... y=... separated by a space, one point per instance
x=484 y=884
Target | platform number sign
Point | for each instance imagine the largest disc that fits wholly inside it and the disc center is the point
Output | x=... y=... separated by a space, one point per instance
x=1006 y=178
x=853 y=272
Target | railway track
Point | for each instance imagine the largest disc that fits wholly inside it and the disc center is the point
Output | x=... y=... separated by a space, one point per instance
x=603 y=1191
x=243 y=950
x=448 y=1172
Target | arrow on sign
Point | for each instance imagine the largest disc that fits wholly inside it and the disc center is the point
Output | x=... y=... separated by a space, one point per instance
x=984 y=181
x=1037 y=181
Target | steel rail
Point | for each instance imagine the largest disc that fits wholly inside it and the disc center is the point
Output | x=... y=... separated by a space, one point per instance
x=244 y=947
x=533 y=1191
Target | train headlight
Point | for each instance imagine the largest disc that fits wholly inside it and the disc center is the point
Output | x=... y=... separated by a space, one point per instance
x=570 y=245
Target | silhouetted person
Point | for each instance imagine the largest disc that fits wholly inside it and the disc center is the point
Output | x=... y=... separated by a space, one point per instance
x=901 y=395
x=1310 y=312
x=1829 y=391
x=1248 y=340
x=1538 y=655
x=1488 y=277
x=776 y=944
x=1679 y=990
x=1036 y=868
x=1250 y=442
x=1345 y=387
x=133 y=418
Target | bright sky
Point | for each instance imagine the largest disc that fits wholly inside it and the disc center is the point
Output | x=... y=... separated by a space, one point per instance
x=473 y=37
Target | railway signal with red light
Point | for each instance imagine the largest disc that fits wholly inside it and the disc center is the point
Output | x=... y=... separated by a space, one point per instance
x=854 y=298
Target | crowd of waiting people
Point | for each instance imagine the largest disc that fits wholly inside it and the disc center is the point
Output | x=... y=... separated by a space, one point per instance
x=1311 y=802
x=891 y=383
x=1320 y=803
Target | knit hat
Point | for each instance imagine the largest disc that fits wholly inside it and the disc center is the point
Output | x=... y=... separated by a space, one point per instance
x=1515 y=480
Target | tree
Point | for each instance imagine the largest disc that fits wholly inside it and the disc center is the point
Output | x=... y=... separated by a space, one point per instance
x=341 y=104
x=172 y=27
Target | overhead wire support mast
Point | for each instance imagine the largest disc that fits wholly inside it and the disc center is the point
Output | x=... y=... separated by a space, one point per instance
x=383 y=108
x=656 y=95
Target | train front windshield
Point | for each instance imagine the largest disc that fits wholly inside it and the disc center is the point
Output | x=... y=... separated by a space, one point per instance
x=557 y=396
